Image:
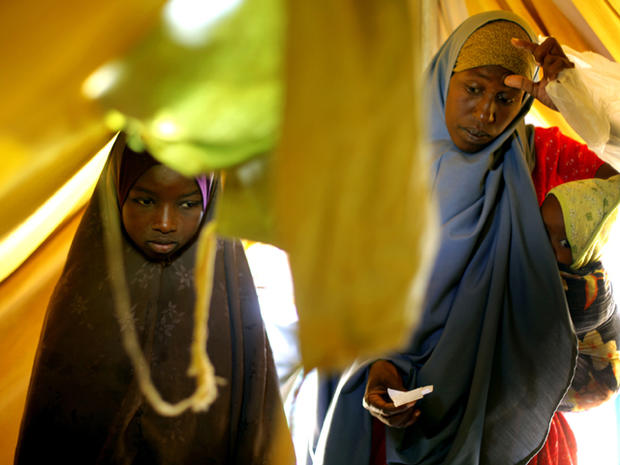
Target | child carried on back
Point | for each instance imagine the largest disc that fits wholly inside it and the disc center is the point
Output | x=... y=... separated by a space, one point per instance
x=579 y=216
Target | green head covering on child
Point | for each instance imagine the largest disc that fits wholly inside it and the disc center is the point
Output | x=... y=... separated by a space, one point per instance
x=589 y=209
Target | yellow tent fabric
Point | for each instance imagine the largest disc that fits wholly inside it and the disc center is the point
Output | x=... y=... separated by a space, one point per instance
x=19 y=243
x=48 y=130
x=23 y=300
x=352 y=196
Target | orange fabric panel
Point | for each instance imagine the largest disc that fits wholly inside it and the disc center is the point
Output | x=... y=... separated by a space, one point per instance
x=23 y=301
x=544 y=17
x=604 y=18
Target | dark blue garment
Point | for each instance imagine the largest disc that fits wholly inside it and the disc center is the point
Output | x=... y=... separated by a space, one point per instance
x=495 y=340
x=595 y=317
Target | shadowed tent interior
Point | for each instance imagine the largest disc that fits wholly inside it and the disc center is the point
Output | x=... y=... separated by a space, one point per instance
x=50 y=135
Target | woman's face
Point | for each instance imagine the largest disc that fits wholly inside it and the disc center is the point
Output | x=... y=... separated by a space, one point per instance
x=479 y=106
x=551 y=212
x=162 y=212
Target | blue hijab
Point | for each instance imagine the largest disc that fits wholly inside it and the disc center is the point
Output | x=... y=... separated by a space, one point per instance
x=496 y=339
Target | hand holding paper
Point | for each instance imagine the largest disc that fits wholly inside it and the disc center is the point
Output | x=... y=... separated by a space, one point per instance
x=404 y=397
x=384 y=376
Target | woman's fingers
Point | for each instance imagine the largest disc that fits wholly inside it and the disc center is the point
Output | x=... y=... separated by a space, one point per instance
x=541 y=52
x=404 y=419
x=397 y=417
x=524 y=44
x=547 y=48
x=535 y=89
x=375 y=403
x=520 y=82
x=553 y=65
x=381 y=376
x=550 y=56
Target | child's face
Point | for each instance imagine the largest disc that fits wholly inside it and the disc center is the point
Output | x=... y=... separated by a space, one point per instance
x=551 y=212
x=162 y=212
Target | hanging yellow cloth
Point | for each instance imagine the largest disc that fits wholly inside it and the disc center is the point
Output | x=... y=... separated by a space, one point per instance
x=353 y=205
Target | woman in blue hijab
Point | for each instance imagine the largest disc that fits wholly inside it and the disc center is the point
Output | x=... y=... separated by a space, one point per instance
x=496 y=340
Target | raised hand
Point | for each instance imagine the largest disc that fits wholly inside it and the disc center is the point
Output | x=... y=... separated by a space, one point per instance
x=550 y=56
x=383 y=375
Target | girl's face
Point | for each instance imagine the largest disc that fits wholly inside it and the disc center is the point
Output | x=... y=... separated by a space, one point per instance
x=479 y=106
x=162 y=212
x=551 y=212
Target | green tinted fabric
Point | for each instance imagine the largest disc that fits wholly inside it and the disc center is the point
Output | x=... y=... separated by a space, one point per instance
x=201 y=91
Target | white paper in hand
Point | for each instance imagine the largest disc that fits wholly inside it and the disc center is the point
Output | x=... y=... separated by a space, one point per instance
x=404 y=397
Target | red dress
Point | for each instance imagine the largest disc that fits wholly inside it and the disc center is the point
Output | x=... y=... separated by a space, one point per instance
x=559 y=159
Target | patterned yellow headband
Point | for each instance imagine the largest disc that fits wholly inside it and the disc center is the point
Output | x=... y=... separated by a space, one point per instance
x=490 y=45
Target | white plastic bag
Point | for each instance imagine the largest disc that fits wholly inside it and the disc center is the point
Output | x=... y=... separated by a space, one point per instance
x=588 y=96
